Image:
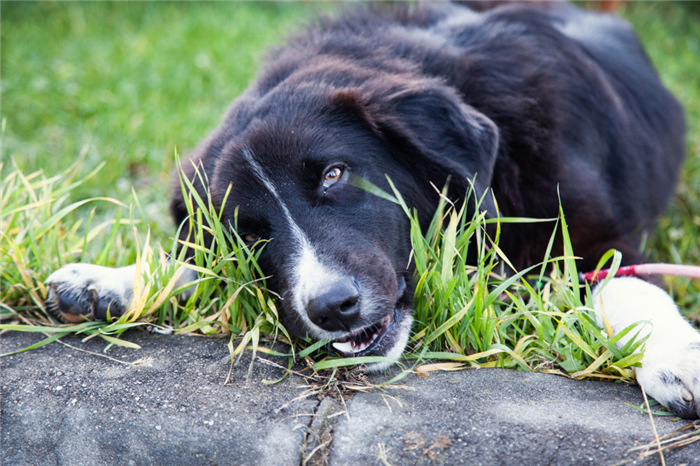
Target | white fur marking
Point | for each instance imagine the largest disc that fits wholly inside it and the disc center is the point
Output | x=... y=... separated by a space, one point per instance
x=298 y=234
x=311 y=279
x=310 y=276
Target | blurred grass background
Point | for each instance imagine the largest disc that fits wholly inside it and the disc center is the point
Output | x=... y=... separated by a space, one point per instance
x=128 y=82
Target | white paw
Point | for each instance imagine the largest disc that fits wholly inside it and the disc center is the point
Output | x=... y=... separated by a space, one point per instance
x=79 y=292
x=670 y=371
x=672 y=377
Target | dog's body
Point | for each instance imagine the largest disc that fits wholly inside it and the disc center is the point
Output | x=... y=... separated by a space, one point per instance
x=535 y=105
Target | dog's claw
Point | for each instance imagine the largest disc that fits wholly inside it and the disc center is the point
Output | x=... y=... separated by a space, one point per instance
x=687 y=396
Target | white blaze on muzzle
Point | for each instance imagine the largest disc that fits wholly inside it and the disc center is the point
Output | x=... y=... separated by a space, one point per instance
x=309 y=276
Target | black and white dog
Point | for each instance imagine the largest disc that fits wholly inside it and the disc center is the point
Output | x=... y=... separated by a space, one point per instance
x=526 y=101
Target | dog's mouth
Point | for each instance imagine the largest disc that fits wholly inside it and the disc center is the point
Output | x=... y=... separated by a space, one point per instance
x=362 y=341
x=370 y=340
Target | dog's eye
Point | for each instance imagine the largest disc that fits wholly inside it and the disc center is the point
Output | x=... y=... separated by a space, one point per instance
x=332 y=176
x=251 y=238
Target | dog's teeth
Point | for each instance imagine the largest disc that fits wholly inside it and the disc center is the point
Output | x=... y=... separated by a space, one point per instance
x=351 y=346
x=346 y=347
x=365 y=344
x=361 y=346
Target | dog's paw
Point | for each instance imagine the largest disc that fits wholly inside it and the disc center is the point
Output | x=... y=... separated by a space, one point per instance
x=672 y=377
x=79 y=292
x=670 y=371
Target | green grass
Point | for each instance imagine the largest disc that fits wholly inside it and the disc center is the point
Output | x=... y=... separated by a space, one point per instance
x=126 y=84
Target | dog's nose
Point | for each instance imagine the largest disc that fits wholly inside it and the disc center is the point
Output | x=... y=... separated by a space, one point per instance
x=336 y=308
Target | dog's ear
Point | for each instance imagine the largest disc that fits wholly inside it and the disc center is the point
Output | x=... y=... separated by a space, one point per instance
x=352 y=102
x=438 y=133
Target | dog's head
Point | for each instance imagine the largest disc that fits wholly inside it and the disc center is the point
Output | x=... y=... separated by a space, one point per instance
x=338 y=255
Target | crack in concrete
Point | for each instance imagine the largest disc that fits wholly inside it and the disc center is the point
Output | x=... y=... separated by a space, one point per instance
x=318 y=439
x=304 y=442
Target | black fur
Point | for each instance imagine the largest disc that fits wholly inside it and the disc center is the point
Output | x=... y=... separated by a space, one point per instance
x=532 y=101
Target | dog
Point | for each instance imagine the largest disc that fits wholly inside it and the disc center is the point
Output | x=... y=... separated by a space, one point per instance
x=530 y=106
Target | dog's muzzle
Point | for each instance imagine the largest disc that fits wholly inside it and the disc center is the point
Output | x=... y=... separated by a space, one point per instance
x=338 y=309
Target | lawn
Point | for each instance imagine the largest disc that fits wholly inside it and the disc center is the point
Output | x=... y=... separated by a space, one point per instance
x=127 y=86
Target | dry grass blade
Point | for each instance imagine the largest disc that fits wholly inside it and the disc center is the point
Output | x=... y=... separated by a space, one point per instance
x=671 y=440
x=320 y=447
x=142 y=362
x=676 y=439
x=653 y=426
x=442 y=366
x=381 y=456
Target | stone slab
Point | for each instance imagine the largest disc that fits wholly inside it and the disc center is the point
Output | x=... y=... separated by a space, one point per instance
x=64 y=407
x=500 y=417
x=60 y=406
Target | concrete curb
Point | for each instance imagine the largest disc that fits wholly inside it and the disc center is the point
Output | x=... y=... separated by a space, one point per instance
x=62 y=406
